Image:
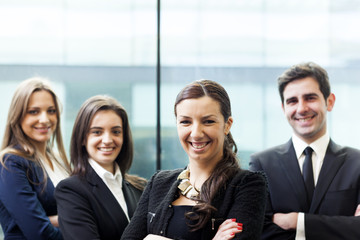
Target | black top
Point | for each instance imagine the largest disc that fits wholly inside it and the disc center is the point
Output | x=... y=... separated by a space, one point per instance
x=242 y=197
x=178 y=227
x=88 y=210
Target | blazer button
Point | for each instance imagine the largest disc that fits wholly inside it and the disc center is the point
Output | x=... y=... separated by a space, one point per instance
x=170 y=206
x=161 y=232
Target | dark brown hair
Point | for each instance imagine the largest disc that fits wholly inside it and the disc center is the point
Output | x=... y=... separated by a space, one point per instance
x=303 y=70
x=227 y=166
x=78 y=153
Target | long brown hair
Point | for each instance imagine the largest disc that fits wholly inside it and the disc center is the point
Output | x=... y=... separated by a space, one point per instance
x=79 y=156
x=15 y=141
x=227 y=166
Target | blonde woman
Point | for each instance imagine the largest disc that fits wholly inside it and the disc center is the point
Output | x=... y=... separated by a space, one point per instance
x=29 y=169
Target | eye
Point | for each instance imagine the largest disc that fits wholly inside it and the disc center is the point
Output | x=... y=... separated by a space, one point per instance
x=33 y=112
x=95 y=132
x=52 y=111
x=209 y=121
x=311 y=98
x=184 y=122
x=291 y=101
x=117 y=132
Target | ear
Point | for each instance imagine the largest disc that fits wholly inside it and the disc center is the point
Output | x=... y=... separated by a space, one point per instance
x=282 y=107
x=228 y=125
x=330 y=102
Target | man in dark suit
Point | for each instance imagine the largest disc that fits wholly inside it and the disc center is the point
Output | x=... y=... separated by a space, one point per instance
x=314 y=193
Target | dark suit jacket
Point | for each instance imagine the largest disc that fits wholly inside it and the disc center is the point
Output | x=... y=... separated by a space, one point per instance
x=336 y=196
x=242 y=197
x=88 y=210
x=25 y=202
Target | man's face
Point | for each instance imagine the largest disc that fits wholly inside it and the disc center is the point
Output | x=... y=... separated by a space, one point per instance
x=305 y=108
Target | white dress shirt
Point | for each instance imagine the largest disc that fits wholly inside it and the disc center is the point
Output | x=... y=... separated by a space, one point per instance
x=113 y=182
x=57 y=174
x=319 y=150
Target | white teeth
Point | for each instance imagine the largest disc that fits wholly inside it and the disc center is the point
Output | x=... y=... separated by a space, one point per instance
x=199 y=146
x=304 y=119
x=106 y=149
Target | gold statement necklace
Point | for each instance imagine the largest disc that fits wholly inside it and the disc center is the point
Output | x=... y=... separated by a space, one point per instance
x=186 y=188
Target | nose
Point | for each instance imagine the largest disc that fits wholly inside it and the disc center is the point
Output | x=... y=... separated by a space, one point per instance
x=302 y=107
x=44 y=118
x=197 y=131
x=107 y=139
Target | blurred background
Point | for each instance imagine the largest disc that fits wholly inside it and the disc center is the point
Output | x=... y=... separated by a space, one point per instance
x=90 y=47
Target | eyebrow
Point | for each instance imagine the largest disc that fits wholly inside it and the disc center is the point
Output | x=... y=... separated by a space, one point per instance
x=36 y=107
x=305 y=95
x=204 y=117
x=311 y=95
x=95 y=127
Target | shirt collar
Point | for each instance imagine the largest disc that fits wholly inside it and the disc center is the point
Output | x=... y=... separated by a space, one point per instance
x=319 y=146
x=104 y=174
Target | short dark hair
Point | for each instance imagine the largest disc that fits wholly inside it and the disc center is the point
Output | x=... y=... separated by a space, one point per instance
x=303 y=70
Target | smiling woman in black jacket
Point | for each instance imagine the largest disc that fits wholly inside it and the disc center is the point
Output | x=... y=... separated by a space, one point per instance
x=212 y=198
x=99 y=199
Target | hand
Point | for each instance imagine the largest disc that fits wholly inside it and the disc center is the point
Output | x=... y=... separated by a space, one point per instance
x=228 y=229
x=155 y=237
x=357 y=211
x=286 y=221
x=54 y=220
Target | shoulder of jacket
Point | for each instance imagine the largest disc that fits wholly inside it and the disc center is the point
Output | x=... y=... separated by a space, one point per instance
x=76 y=182
x=167 y=174
x=249 y=176
x=13 y=159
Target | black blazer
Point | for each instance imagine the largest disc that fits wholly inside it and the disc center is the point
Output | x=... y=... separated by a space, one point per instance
x=243 y=197
x=336 y=196
x=88 y=210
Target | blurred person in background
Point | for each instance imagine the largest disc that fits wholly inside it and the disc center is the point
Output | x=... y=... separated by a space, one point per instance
x=29 y=167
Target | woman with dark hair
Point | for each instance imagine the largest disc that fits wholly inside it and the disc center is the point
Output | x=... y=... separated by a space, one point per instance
x=29 y=166
x=212 y=198
x=99 y=199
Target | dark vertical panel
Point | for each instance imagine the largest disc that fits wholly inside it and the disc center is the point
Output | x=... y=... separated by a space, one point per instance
x=158 y=78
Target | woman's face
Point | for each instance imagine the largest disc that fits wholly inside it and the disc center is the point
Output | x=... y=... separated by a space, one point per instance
x=202 y=129
x=40 y=120
x=105 y=138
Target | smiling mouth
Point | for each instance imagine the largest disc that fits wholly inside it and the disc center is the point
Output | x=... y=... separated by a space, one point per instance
x=42 y=128
x=106 y=149
x=198 y=145
x=304 y=119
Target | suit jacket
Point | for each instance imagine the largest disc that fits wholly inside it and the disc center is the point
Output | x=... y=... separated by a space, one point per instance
x=242 y=197
x=336 y=195
x=25 y=202
x=88 y=210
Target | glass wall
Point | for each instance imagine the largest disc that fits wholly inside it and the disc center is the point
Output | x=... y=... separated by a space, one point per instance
x=246 y=45
x=109 y=47
x=85 y=48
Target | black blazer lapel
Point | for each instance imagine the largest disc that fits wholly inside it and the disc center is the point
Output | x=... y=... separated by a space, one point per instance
x=333 y=160
x=132 y=196
x=290 y=165
x=104 y=196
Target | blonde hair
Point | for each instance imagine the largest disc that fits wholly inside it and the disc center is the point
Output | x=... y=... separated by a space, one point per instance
x=15 y=141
